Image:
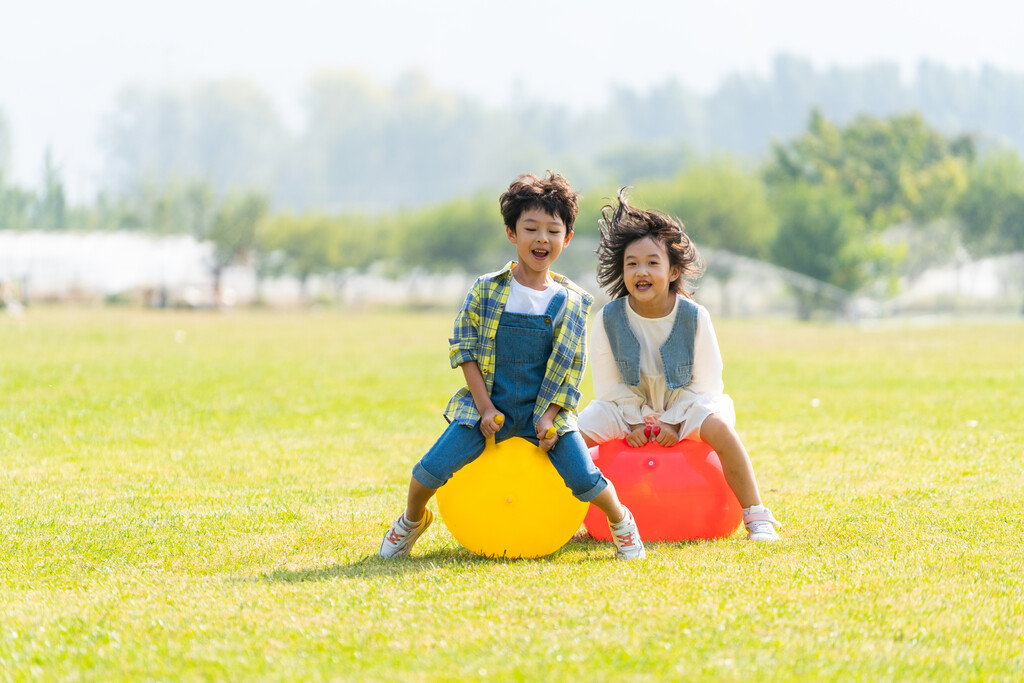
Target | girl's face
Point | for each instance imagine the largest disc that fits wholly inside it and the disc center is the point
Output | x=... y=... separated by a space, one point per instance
x=648 y=277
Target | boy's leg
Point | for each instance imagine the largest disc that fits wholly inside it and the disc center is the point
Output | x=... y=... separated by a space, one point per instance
x=416 y=504
x=458 y=446
x=570 y=457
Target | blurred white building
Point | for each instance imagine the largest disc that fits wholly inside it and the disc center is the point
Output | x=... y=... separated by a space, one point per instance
x=174 y=271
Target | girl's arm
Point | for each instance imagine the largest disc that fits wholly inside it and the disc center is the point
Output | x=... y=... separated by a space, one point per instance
x=608 y=384
x=707 y=359
x=475 y=381
x=706 y=379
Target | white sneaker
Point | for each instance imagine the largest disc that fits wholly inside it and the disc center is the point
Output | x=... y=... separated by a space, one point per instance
x=760 y=523
x=626 y=538
x=401 y=538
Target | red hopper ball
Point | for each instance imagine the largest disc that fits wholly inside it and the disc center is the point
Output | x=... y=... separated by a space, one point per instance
x=675 y=494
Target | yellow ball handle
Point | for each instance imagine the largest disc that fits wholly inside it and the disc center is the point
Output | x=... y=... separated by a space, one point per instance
x=498 y=420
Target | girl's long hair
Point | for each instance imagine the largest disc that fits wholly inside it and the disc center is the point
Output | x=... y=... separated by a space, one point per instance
x=622 y=224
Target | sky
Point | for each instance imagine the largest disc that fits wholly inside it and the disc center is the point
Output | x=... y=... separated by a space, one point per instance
x=63 y=61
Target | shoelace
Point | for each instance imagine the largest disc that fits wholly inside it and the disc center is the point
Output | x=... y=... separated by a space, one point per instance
x=626 y=539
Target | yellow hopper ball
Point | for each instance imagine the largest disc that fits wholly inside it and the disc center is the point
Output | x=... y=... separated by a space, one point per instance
x=510 y=502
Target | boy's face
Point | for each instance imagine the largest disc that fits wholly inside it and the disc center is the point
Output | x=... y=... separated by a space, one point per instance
x=539 y=238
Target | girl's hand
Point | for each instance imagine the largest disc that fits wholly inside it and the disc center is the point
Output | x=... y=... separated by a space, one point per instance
x=490 y=422
x=546 y=433
x=639 y=436
x=666 y=435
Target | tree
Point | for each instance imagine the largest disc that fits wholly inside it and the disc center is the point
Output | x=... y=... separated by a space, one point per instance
x=5 y=147
x=51 y=209
x=15 y=203
x=233 y=234
x=462 y=234
x=144 y=138
x=306 y=242
x=992 y=207
x=821 y=236
x=721 y=205
x=15 y=207
x=235 y=136
x=892 y=169
x=226 y=133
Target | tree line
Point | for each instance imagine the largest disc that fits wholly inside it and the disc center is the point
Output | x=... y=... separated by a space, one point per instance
x=361 y=145
x=850 y=205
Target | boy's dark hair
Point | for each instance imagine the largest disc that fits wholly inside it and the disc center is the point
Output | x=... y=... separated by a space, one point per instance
x=621 y=225
x=552 y=195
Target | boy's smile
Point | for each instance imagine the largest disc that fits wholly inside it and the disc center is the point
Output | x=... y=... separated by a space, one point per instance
x=539 y=238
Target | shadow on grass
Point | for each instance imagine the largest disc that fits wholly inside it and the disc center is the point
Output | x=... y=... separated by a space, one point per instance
x=373 y=566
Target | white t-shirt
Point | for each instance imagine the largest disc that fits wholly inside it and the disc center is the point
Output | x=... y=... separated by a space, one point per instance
x=523 y=299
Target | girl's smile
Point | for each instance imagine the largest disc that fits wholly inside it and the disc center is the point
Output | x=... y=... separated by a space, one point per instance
x=648 y=276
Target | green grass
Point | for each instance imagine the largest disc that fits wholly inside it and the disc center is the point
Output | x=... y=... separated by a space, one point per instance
x=199 y=497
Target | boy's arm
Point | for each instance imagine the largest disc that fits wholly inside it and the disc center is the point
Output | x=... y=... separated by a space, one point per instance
x=546 y=425
x=478 y=389
x=464 y=343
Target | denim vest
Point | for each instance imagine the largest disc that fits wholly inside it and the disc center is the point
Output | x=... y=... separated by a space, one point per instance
x=676 y=352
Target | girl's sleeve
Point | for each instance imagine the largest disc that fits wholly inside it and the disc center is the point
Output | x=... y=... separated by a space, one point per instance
x=608 y=384
x=705 y=385
x=707 y=359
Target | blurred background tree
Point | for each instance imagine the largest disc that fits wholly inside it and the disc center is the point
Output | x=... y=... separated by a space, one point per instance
x=851 y=176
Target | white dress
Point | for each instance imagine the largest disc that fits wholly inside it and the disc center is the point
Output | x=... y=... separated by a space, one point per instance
x=617 y=406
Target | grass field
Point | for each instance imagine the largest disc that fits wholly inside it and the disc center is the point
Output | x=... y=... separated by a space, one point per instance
x=189 y=496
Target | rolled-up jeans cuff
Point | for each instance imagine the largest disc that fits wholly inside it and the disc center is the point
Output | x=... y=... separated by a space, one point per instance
x=426 y=478
x=594 y=492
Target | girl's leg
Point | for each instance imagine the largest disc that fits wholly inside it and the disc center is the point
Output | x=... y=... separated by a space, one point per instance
x=601 y=421
x=739 y=473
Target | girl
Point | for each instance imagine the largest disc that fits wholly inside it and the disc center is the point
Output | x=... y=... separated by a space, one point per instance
x=656 y=364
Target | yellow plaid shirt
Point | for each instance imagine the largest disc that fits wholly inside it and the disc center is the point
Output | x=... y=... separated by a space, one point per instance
x=473 y=339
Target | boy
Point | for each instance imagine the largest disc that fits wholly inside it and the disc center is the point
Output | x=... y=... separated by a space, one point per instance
x=520 y=340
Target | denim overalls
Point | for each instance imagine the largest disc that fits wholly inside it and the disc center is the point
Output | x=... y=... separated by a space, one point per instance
x=523 y=345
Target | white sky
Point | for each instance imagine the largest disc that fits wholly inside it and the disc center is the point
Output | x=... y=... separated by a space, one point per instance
x=62 y=61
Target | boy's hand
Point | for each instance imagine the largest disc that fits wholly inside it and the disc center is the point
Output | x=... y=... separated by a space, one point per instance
x=666 y=435
x=546 y=433
x=490 y=422
x=639 y=436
